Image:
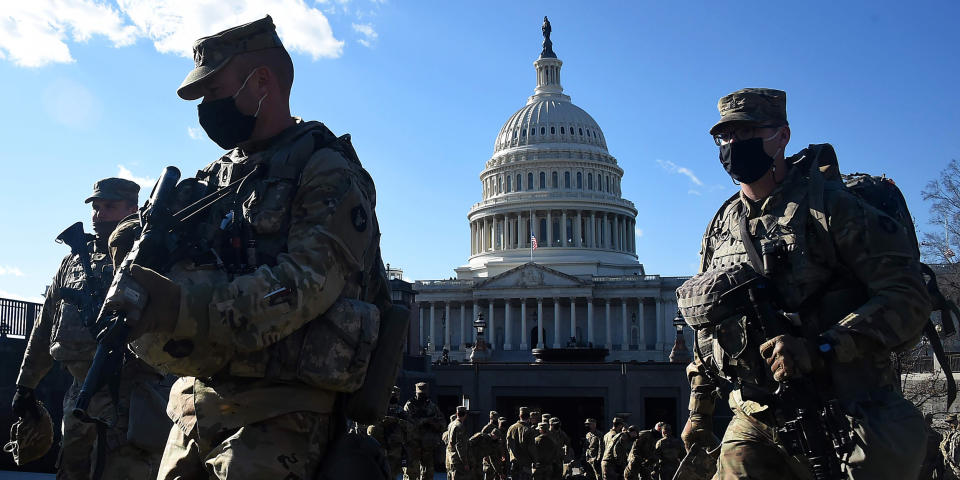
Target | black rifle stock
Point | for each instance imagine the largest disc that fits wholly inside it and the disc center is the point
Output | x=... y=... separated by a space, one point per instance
x=816 y=427
x=88 y=299
x=125 y=298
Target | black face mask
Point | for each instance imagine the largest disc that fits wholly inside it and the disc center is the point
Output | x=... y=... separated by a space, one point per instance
x=224 y=123
x=745 y=160
x=104 y=229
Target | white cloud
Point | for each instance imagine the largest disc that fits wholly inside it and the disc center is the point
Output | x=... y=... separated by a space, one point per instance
x=369 y=34
x=694 y=192
x=638 y=231
x=14 y=296
x=36 y=33
x=195 y=133
x=8 y=270
x=144 y=182
x=674 y=168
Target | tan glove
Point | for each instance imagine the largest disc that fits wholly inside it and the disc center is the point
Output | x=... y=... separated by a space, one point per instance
x=163 y=302
x=789 y=357
x=698 y=430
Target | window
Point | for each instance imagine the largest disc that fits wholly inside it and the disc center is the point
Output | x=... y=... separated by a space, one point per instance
x=499 y=184
x=533 y=131
x=553 y=130
x=579 y=181
x=566 y=179
x=524 y=133
x=589 y=181
x=543 y=180
x=581 y=132
x=519 y=182
x=508 y=183
x=530 y=181
x=608 y=183
x=543 y=130
x=562 y=131
x=554 y=183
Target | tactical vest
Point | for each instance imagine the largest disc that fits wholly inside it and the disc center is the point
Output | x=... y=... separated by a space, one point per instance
x=250 y=229
x=808 y=279
x=70 y=341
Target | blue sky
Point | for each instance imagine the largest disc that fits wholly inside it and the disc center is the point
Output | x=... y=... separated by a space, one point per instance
x=424 y=87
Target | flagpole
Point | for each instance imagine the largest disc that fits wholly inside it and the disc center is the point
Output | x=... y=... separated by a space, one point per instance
x=531 y=235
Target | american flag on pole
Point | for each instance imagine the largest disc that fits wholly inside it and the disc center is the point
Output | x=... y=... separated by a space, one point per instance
x=533 y=242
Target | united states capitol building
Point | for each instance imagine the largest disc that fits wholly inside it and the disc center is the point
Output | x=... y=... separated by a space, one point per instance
x=552 y=181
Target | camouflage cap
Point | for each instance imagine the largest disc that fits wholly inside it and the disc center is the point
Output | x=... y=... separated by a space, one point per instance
x=421 y=386
x=524 y=411
x=588 y=421
x=554 y=421
x=493 y=413
x=461 y=410
x=114 y=188
x=617 y=421
x=211 y=54
x=632 y=428
x=764 y=106
x=543 y=425
x=502 y=419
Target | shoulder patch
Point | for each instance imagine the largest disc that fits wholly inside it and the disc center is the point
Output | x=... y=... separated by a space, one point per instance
x=359 y=217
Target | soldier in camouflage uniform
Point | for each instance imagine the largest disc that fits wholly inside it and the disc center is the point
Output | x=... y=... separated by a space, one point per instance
x=546 y=455
x=520 y=445
x=458 y=450
x=616 y=453
x=428 y=425
x=492 y=423
x=563 y=441
x=669 y=452
x=851 y=275
x=592 y=449
x=265 y=316
x=483 y=446
x=642 y=459
x=497 y=465
x=392 y=432
x=59 y=335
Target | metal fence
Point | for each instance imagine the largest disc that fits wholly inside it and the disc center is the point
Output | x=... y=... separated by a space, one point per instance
x=17 y=317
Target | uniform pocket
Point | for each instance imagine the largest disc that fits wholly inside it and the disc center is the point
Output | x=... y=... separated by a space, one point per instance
x=337 y=346
x=267 y=208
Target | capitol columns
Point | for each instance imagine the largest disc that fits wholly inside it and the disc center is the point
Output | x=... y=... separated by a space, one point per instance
x=507 y=325
x=447 y=322
x=420 y=341
x=463 y=333
x=523 y=324
x=625 y=344
x=563 y=228
x=573 y=317
x=549 y=242
x=463 y=316
x=590 y=320
x=433 y=328
x=556 y=320
x=489 y=323
x=609 y=343
x=540 y=339
x=642 y=325
x=578 y=232
x=660 y=330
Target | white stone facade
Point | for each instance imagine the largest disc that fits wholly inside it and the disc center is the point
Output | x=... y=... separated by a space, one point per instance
x=552 y=178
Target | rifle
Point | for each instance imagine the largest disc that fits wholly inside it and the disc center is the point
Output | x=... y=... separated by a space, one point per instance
x=87 y=299
x=816 y=428
x=150 y=250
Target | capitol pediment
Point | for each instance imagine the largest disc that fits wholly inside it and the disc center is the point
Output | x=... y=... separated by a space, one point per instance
x=531 y=275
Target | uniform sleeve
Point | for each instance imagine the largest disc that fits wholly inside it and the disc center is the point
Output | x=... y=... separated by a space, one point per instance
x=881 y=255
x=36 y=359
x=329 y=235
x=702 y=398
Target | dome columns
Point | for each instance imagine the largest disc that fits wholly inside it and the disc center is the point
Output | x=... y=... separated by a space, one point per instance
x=553 y=228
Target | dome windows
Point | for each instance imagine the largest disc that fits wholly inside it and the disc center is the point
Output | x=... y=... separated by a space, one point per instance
x=562 y=132
x=530 y=181
x=508 y=183
x=566 y=179
x=581 y=132
x=543 y=180
x=579 y=181
x=553 y=130
x=543 y=130
x=555 y=183
x=589 y=181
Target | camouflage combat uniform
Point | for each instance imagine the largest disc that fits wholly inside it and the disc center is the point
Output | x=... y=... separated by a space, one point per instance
x=520 y=445
x=642 y=458
x=392 y=433
x=670 y=451
x=427 y=427
x=547 y=456
x=59 y=335
x=615 y=456
x=593 y=451
x=852 y=275
x=457 y=453
x=480 y=448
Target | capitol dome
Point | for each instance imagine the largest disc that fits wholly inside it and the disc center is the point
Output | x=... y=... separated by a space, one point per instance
x=551 y=181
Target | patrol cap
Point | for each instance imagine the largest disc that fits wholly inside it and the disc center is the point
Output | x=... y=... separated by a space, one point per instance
x=502 y=419
x=114 y=188
x=632 y=428
x=494 y=414
x=421 y=386
x=588 y=421
x=617 y=421
x=211 y=54
x=543 y=425
x=951 y=418
x=764 y=106
x=461 y=410
x=554 y=421
x=524 y=411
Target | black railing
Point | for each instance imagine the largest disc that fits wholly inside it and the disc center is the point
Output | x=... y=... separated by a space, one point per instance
x=17 y=317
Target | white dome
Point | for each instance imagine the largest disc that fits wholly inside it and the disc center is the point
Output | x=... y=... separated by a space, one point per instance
x=549 y=119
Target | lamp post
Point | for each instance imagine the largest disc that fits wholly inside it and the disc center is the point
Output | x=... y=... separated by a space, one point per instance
x=679 y=353
x=480 y=351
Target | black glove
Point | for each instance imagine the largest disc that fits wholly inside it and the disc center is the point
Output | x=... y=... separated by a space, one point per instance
x=25 y=402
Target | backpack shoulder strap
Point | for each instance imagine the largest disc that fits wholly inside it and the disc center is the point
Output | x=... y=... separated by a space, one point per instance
x=706 y=251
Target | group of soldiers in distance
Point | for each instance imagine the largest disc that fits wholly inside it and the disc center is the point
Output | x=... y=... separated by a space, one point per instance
x=534 y=447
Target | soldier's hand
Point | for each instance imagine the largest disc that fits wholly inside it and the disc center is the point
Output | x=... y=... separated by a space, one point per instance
x=789 y=357
x=698 y=430
x=163 y=302
x=25 y=403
